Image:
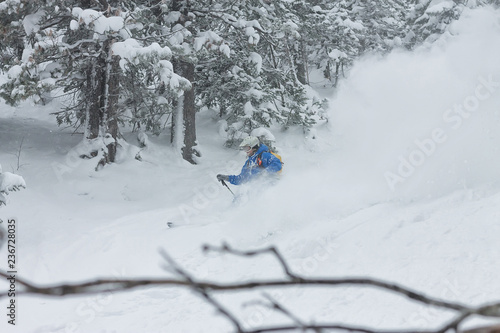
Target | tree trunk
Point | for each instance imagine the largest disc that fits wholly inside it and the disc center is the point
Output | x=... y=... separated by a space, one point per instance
x=176 y=133
x=337 y=68
x=172 y=125
x=188 y=115
x=103 y=88
x=113 y=91
x=302 y=64
x=94 y=87
x=186 y=103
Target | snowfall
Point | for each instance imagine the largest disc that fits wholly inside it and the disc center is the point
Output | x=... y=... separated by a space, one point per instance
x=401 y=183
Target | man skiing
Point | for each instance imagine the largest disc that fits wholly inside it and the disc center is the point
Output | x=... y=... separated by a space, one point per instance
x=260 y=161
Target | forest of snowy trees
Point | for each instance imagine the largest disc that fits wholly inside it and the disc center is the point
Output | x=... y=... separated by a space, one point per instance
x=150 y=65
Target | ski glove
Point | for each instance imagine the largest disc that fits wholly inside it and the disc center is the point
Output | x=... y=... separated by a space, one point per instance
x=222 y=177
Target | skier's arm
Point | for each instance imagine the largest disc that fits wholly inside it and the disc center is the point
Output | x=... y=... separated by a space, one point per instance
x=241 y=178
x=246 y=174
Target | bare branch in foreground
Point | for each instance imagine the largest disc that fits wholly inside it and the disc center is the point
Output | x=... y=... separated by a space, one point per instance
x=345 y=281
x=280 y=308
x=206 y=290
x=485 y=329
x=201 y=290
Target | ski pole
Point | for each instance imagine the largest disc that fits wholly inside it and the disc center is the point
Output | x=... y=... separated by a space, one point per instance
x=224 y=183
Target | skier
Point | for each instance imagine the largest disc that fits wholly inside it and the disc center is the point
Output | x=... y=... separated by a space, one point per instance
x=260 y=161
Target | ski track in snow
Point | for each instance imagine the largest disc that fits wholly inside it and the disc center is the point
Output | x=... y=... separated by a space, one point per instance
x=332 y=214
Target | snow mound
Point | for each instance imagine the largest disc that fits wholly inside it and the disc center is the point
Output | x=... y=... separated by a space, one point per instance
x=9 y=182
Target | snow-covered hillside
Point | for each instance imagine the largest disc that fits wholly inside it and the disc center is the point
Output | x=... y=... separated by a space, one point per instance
x=401 y=184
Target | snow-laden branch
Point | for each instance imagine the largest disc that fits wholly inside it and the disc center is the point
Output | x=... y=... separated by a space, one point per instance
x=9 y=182
x=206 y=290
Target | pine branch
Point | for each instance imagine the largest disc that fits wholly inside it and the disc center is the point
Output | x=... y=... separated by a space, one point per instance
x=55 y=21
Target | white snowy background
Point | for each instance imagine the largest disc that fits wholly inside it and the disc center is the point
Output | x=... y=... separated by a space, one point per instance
x=334 y=213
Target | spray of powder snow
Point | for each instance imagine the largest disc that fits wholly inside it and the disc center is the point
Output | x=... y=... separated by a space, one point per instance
x=423 y=124
x=409 y=126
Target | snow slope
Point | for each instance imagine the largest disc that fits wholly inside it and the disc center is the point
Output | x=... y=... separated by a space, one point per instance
x=401 y=184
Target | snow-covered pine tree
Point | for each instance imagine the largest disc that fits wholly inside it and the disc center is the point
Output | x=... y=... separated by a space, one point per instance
x=337 y=32
x=151 y=88
x=333 y=36
x=11 y=35
x=78 y=50
x=262 y=82
x=285 y=48
x=233 y=83
x=150 y=85
x=384 y=23
x=71 y=56
x=18 y=29
x=428 y=19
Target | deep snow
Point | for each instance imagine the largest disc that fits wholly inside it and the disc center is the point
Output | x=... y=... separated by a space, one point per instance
x=339 y=209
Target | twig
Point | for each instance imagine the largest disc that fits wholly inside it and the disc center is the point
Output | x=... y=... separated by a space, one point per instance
x=18 y=155
x=280 y=308
x=453 y=325
x=201 y=290
x=271 y=250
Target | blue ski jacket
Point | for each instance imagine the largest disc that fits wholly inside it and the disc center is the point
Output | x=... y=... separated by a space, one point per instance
x=251 y=169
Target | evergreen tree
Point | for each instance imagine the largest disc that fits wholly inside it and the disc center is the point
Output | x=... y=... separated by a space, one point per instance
x=384 y=23
x=74 y=56
x=333 y=37
x=77 y=47
x=428 y=19
x=154 y=63
x=11 y=35
x=233 y=82
x=261 y=82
